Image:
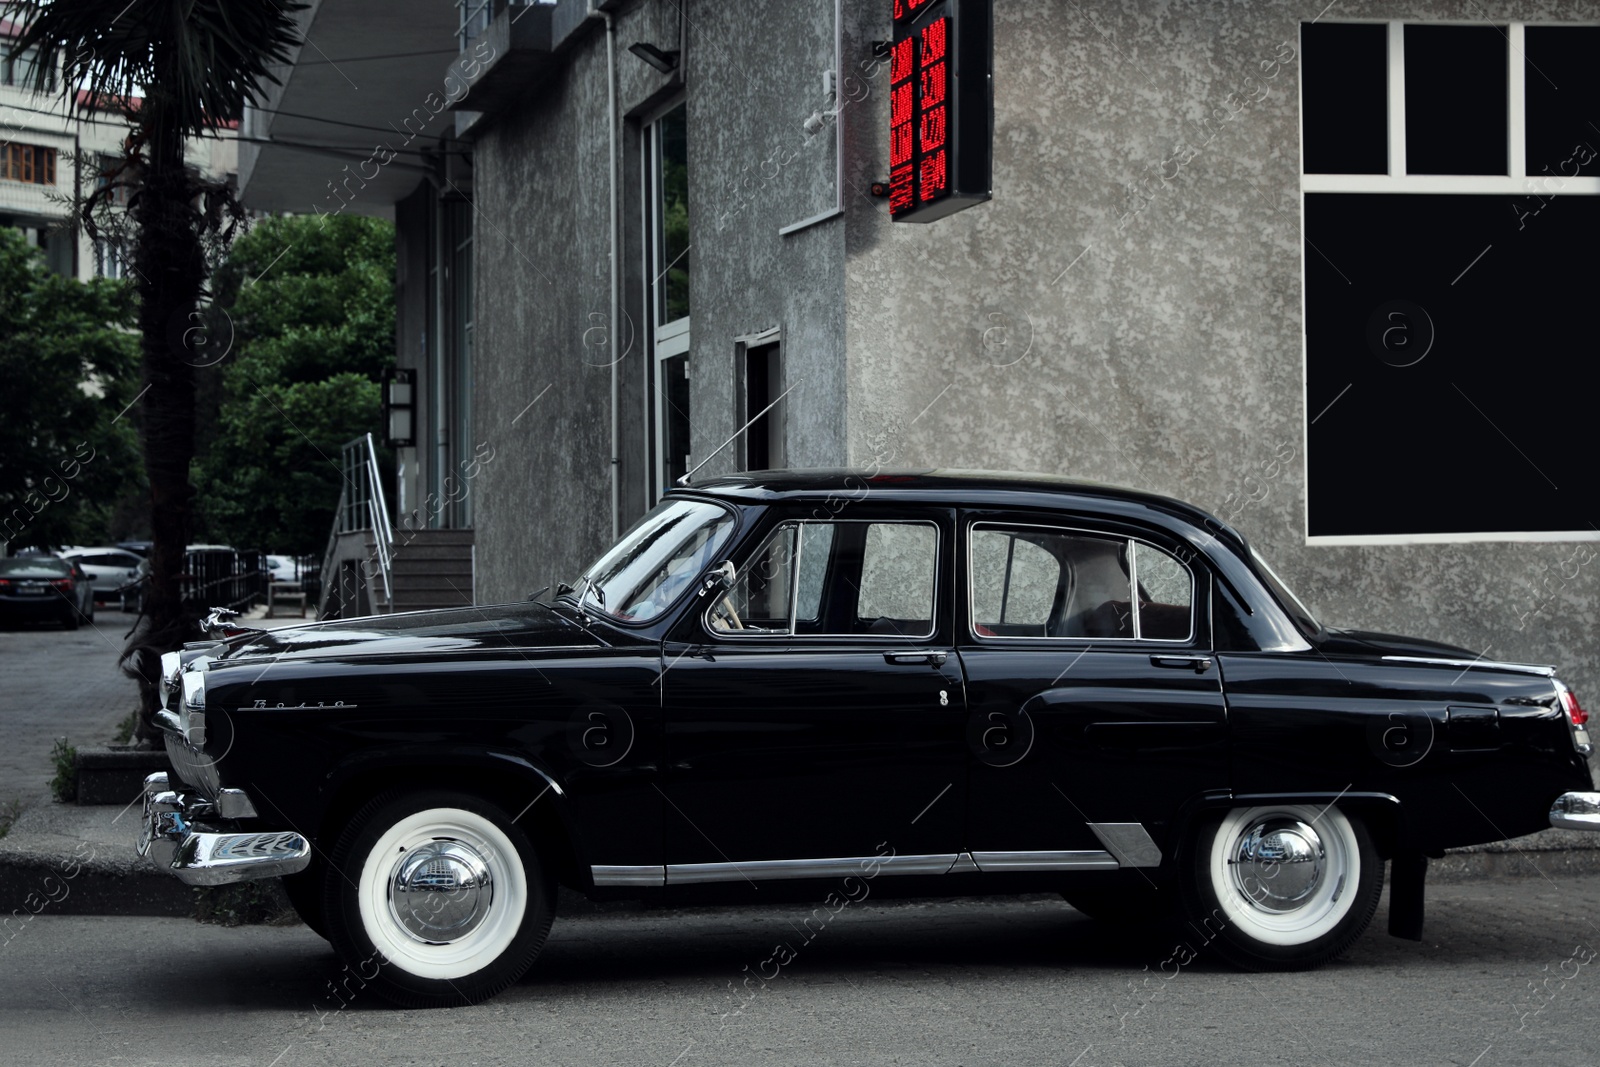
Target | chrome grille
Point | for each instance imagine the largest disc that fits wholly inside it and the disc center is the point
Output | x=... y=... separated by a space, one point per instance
x=192 y=765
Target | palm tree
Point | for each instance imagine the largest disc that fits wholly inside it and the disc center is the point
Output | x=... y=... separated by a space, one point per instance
x=176 y=69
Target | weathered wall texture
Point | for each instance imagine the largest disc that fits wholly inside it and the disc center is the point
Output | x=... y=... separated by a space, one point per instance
x=753 y=169
x=542 y=260
x=1065 y=328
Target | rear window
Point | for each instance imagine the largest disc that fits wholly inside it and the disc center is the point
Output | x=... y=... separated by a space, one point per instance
x=34 y=567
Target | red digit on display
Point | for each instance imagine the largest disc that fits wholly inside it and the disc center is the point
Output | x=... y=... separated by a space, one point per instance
x=933 y=133
x=900 y=191
x=900 y=104
x=900 y=60
x=900 y=144
x=935 y=178
x=933 y=40
x=934 y=79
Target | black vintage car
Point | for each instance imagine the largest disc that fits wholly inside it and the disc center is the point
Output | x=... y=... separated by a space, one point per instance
x=939 y=682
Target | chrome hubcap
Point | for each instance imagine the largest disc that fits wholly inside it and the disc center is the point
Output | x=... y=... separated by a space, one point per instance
x=441 y=891
x=1278 y=864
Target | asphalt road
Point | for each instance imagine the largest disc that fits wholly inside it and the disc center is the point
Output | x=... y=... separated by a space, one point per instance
x=1505 y=977
x=58 y=683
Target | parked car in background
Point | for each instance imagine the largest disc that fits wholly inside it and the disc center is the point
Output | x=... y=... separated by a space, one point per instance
x=112 y=569
x=836 y=684
x=283 y=568
x=45 y=589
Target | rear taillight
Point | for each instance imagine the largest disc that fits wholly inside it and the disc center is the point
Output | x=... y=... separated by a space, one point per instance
x=64 y=584
x=1577 y=719
x=1575 y=712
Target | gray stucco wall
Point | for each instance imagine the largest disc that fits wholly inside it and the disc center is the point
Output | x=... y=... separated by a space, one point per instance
x=542 y=261
x=1059 y=329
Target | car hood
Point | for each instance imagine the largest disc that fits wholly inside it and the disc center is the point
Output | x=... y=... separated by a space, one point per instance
x=495 y=627
x=1369 y=643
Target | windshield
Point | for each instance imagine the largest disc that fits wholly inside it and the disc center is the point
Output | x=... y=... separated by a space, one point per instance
x=1297 y=611
x=656 y=560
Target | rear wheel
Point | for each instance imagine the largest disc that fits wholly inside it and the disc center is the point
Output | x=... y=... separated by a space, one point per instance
x=70 y=619
x=1282 y=887
x=436 y=898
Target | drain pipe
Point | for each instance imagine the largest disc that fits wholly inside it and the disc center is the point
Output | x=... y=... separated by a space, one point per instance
x=612 y=136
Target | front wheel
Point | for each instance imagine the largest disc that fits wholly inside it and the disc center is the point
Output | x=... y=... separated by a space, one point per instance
x=1282 y=887
x=436 y=898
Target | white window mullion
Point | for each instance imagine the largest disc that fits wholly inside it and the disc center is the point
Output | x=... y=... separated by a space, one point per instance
x=1397 y=99
x=1516 y=102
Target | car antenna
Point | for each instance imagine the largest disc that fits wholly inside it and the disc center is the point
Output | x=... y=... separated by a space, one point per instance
x=684 y=479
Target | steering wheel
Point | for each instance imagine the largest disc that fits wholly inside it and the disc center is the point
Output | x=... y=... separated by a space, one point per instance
x=724 y=616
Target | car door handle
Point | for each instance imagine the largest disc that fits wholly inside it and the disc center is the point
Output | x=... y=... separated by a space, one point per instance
x=910 y=659
x=1198 y=664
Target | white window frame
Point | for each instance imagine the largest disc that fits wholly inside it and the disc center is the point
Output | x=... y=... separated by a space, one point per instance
x=1516 y=182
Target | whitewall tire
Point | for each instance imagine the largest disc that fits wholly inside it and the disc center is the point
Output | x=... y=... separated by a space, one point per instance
x=437 y=898
x=1282 y=887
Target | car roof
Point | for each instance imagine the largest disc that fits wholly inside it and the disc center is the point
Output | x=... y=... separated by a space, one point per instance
x=953 y=486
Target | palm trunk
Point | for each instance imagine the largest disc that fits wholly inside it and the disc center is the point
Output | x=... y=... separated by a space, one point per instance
x=170 y=266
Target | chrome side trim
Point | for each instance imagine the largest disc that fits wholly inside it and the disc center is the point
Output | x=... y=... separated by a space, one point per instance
x=1499 y=665
x=1129 y=842
x=963 y=865
x=1045 y=861
x=841 y=867
x=1576 y=811
x=607 y=874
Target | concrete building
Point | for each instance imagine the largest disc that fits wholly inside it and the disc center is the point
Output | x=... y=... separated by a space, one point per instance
x=1318 y=270
x=47 y=155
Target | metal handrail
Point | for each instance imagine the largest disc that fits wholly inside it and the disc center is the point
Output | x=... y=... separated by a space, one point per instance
x=329 y=582
x=378 y=512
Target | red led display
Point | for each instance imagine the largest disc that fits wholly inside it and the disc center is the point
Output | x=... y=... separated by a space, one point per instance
x=940 y=107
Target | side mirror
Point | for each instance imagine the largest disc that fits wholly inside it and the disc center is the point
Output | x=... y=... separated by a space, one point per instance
x=718 y=578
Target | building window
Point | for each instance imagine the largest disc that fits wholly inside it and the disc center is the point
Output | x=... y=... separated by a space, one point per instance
x=1451 y=181
x=33 y=164
x=760 y=388
x=17 y=70
x=666 y=159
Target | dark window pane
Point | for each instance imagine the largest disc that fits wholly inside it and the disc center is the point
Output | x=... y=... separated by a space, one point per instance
x=1344 y=97
x=675 y=415
x=1455 y=100
x=1443 y=336
x=674 y=207
x=1563 y=92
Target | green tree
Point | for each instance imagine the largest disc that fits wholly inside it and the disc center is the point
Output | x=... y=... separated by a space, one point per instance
x=175 y=68
x=310 y=340
x=67 y=358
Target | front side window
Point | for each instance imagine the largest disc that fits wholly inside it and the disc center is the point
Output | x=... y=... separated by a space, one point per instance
x=656 y=561
x=837 y=579
x=1033 y=582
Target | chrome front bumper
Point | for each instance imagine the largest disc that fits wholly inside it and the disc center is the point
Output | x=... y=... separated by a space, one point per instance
x=1576 y=811
x=173 y=836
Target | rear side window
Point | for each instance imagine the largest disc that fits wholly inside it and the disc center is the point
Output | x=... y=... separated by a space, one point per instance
x=1041 y=582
